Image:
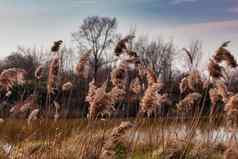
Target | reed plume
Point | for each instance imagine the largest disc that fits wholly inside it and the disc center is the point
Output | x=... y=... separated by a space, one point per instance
x=121 y=45
x=151 y=77
x=222 y=54
x=82 y=68
x=53 y=73
x=91 y=92
x=101 y=102
x=231 y=109
x=10 y=77
x=222 y=90
x=114 y=139
x=135 y=86
x=183 y=86
x=152 y=100
x=214 y=97
x=195 y=82
x=232 y=103
x=57 y=108
x=56 y=46
x=191 y=83
x=215 y=70
x=189 y=103
x=117 y=94
x=39 y=72
x=33 y=116
x=67 y=86
x=119 y=77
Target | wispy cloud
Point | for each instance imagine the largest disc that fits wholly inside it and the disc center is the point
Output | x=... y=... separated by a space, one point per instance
x=175 y=2
x=228 y=26
x=233 y=10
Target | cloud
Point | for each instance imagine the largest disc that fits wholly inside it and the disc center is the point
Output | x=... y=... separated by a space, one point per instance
x=214 y=27
x=175 y=2
x=233 y=10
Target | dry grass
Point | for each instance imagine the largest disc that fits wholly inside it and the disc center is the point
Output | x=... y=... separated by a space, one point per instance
x=110 y=139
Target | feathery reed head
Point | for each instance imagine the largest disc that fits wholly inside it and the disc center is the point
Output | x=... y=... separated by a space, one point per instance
x=82 y=68
x=132 y=53
x=56 y=46
x=189 y=103
x=33 y=116
x=232 y=104
x=121 y=45
x=222 y=91
x=57 y=108
x=118 y=77
x=151 y=76
x=91 y=92
x=117 y=94
x=39 y=72
x=153 y=99
x=215 y=70
x=183 y=86
x=100 y=102
x=121 y=129
x=223 y=54
x=12 y=76
x=53 y=73
x=135 y=86
x=67 y=86
x=115 y=138
x=214 y=96
x=195 y=81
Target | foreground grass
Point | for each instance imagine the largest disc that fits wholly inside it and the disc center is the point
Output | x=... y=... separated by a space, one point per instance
x=82 y=139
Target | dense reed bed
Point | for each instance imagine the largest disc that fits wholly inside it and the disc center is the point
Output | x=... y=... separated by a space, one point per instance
x=201 y=124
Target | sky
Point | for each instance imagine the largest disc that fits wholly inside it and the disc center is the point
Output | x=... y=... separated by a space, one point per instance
x=37 y=23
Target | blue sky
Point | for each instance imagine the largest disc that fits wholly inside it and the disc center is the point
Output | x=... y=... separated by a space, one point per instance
x=39 y=22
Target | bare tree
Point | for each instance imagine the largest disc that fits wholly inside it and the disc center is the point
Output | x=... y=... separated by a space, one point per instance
x=193 y=55
x=96 y=33
x=156 y=54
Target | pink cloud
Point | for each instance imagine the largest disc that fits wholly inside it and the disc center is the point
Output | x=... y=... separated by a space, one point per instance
x=182 y=1
x=233 y=10
x=224 y=26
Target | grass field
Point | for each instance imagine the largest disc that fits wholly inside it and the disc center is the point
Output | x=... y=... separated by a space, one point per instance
x=145 y=138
